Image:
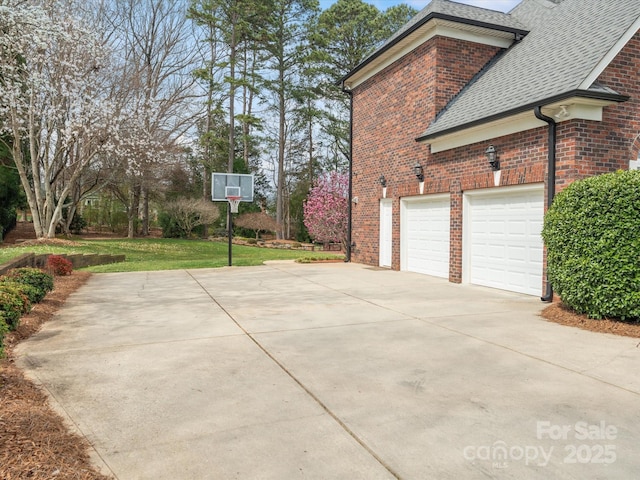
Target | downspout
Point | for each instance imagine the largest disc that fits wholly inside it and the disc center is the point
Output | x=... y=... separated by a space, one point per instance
x=551 y=178
x=347 y=257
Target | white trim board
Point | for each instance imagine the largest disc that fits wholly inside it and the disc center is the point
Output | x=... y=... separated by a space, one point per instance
x=574 y=108
x=611 y=54
x=433 y=28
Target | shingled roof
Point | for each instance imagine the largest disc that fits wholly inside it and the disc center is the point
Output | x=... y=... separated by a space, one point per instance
x=567 y=42
x=447 y=10
x=461 y=12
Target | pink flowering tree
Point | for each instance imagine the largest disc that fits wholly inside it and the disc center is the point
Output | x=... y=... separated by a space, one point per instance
x=326 y=209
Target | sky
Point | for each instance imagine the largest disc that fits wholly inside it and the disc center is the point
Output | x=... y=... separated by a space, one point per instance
x=501 y=5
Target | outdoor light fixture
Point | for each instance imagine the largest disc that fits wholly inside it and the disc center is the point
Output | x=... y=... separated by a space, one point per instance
x=382 y=181
x=562 y=113
x=419 y=172
x=492 y=156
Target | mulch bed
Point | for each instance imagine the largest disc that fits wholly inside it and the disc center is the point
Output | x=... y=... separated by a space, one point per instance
x=558 y=313
x=35 y=442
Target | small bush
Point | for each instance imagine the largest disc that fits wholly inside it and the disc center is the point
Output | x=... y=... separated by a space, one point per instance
x=592 y=234
x=11 y=305
x=59 y=265
x=32 y=293
x=170 y=227
x=310 y=259
x=35 y=277
x=18 y=290
x=252 y=241
x=181 y=216
x=4 y=328
x=78 y=223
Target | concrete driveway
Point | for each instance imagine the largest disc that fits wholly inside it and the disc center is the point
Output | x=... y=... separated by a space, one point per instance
x=334 y=371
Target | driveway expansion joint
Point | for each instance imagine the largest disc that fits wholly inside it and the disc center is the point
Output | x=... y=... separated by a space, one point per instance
x=290 y=374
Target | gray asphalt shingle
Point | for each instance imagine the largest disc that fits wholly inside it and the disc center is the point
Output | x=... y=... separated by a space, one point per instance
x=462 y=11
x=446 y=9
x=564 y=46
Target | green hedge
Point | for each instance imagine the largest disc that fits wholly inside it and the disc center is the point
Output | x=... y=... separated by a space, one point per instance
x=592 y=234
x=34 y=294
x=18 y=290
x=34 y=277
x=4 y=328
x=12 y=306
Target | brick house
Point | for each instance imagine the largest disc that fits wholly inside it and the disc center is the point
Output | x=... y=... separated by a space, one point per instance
x=551 y=87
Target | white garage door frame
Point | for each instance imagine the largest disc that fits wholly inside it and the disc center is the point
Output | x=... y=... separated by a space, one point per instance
x=436 y=238
x=386 y=232
x=523 y=272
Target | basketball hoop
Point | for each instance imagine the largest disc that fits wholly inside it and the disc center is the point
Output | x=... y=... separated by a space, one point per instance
x=233 y=203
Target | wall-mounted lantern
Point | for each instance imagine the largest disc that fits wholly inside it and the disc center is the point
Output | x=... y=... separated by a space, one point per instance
x=492 y=156
x=419 y=172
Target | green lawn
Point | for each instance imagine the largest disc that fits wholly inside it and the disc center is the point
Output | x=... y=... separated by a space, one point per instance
x=165 y=254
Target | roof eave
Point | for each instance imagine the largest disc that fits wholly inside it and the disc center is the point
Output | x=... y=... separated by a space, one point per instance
x=613 y=97
x=519 y=33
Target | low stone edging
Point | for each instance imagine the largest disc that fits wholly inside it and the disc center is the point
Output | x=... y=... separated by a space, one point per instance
x=77 y=260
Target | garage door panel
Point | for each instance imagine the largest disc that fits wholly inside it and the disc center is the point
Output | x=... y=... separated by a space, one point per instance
x=502 y=239
x=425 y=232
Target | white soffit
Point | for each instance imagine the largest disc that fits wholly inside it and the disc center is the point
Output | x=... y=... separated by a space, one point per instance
x=433 y=28
x=572 y=108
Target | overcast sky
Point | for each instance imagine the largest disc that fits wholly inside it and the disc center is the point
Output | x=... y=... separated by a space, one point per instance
x=501 y=5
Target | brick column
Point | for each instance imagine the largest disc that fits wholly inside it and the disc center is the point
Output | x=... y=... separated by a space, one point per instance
x=455 y=240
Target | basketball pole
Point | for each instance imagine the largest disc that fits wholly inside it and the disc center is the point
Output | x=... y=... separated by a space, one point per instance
x=230 y=233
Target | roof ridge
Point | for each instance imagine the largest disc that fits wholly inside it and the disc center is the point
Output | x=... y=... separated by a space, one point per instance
x=472 y=6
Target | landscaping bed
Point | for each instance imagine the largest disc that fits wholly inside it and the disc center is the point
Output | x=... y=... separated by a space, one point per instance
x=558 y=313
x=35 y=442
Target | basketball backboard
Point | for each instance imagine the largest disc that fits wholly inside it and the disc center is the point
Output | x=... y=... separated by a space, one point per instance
x=224 y=185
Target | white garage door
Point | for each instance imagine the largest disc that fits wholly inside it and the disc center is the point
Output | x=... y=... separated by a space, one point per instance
x=502 y=245
x=425 y=235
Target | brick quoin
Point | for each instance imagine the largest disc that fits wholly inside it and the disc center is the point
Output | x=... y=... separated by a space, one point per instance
x=391 y=109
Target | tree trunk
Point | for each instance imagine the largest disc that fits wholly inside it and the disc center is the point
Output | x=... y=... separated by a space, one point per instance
x=232 y=95
x=206 y=192
x=134 y=208
x=281 y=148
x=145 y=211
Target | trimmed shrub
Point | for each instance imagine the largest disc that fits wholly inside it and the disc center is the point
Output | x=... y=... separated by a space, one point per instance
x=32 y=293
x=169 y=226
x=18 y=290
x=59 y=265
x=35 y=277
x=592 y=234
x=11 y=305
x=4 y=328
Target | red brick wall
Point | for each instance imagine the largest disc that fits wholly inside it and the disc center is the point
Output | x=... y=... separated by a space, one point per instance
x=607 y=146
x=385 y=109
x=396 y=106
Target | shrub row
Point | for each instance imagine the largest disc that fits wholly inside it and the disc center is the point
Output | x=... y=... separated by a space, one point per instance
x=19 y=290
x=592 y=234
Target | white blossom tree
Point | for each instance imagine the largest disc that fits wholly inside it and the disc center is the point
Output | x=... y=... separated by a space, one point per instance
x=156 y=95
x=53 y=109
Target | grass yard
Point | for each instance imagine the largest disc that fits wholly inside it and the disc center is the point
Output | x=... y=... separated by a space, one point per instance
x=164 y=253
